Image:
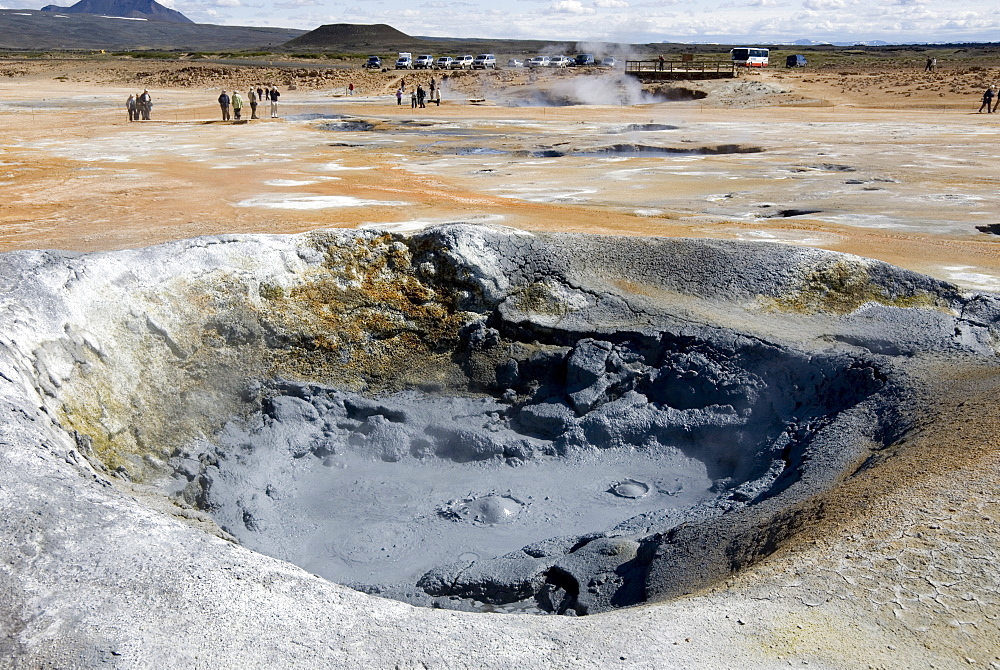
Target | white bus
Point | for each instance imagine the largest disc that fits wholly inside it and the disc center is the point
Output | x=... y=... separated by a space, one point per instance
x=750 y=56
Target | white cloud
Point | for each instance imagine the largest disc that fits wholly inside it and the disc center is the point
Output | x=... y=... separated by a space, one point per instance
x=574 y=7
x=824 y=5
x=628 y=21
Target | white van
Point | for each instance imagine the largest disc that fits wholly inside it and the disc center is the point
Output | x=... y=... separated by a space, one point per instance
x=405 y=61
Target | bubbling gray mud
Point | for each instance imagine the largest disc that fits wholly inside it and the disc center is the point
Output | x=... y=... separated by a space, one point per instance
x=592 y=440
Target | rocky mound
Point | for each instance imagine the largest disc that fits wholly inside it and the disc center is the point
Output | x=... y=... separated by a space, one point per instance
x=468 y=418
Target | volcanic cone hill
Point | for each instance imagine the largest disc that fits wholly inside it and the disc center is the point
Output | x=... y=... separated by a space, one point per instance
x=347 y=35
x=133 y=9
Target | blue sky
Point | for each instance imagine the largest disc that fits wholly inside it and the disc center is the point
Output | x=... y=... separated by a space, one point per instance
x=625 y=21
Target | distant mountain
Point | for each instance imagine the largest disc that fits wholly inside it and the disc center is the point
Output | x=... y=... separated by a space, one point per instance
x=867 y=43
x=34 y=30
x=130 y=9
x=351 y=35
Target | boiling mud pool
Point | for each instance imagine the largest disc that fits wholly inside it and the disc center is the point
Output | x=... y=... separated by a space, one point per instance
x=390 y=522
x=380 y=495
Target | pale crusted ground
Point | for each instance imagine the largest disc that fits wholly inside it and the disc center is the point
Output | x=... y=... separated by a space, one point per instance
x=908 y=549
x=903 y=570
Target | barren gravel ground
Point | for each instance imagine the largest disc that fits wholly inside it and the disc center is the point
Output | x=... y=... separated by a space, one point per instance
x=890 y=165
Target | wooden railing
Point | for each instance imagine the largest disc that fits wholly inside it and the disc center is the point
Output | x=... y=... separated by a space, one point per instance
x=677 y=69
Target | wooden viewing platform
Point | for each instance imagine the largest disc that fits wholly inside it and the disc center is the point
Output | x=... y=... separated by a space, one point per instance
x=649 y=71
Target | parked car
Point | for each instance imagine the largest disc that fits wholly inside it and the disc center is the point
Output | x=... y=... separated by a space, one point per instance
x=404 y=62
x=559 y=61
x=539 y=61
x=608 y=61
x=373 y=62
x=583 y=60
x=462 y=62
x=483 y=61
x=444 y=63
x=513 y=62
x=797 y=60
x=425 y=62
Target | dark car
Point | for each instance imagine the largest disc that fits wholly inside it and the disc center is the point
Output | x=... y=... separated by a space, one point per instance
x=796 y=61
x=583 y=60
x=373 y=62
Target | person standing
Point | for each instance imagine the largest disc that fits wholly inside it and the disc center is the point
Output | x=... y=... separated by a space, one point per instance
x=350 y=88
x=252 y=97
x=661 y=61
x=130 y=107
x=413 y=99
x=260 y=94
x=399 y=95
x=987 y=100
x=421 y=96
x=147 y=104
x=274 y=102
x=224 y=104
x=237 y=105
x=436 y=96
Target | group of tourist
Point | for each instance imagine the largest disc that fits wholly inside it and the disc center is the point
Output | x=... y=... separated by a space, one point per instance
x=255 y=97
x=419 y=97
x=139 y=106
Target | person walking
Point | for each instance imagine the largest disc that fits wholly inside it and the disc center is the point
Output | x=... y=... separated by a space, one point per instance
x=399 y=95
x=436 y=96
x=274 y=102
x=987 y=99
x=260 y=94
x=252 y=98
x=421 y=96
x=350 y=88
x=130 y=107
x=413 y=99
x=237 y=105
x=146 y=104
x=224 y=104
x=996 y=96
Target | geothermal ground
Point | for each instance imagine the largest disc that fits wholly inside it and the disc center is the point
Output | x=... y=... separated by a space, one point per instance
x=770 y=441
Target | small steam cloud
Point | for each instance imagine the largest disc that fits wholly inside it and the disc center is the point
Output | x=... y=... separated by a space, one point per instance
x=606 y=89
x=601 y=49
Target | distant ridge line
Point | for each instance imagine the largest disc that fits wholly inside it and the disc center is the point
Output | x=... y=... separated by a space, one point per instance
x=125 y=9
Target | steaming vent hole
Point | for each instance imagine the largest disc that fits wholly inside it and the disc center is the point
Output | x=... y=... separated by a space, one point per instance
x=677 y=94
